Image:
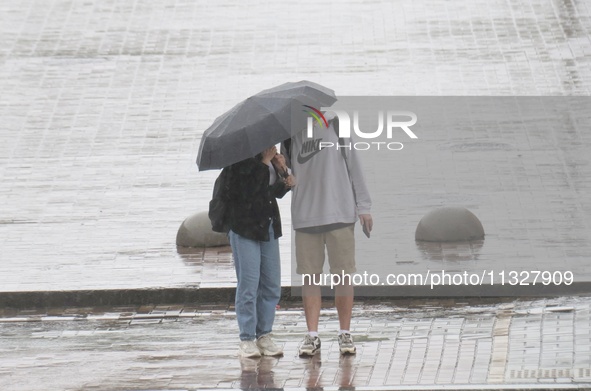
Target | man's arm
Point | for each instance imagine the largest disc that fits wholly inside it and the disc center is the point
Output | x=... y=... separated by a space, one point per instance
x=362 y=197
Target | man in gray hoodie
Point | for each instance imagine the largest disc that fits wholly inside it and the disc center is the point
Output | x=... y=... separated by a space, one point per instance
x=329 y=196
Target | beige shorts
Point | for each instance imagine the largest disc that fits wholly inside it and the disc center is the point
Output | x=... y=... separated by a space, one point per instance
x=340 y=246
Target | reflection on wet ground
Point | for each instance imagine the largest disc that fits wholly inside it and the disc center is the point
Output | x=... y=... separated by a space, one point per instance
x=258 y=372
x=451 y=251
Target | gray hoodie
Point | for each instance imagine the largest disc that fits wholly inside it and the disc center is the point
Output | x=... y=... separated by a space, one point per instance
x=325 y=192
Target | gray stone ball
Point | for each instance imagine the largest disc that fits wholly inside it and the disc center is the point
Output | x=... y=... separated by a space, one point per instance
x=196 y=231
x=449 y=224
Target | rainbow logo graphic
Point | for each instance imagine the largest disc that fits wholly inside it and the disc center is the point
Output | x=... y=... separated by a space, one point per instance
x=318 y=116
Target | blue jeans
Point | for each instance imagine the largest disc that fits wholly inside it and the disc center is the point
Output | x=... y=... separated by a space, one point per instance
x=258 y=271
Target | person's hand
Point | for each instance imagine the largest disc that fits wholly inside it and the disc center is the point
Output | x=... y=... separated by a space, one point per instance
x=279 y=159
x=280 y=164
x=290 y=181
x=268 y=154
x=366 y=220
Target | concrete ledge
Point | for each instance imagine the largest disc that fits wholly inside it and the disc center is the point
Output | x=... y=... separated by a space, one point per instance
x=192 y=296
x=116 y=297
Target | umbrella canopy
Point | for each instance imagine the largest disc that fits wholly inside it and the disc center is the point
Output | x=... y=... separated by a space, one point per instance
x=259 y=122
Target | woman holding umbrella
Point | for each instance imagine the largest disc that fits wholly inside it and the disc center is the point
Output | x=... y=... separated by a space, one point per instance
x=255 y=227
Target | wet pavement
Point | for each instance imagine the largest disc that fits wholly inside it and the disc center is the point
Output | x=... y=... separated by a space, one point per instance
x=543 y=344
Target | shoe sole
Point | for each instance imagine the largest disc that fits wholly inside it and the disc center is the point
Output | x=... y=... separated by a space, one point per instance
x=272 y=354
x=252 y=355
x=348 y=351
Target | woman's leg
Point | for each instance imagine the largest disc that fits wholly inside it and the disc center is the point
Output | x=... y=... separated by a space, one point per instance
x=247 y=261
x=269 y=291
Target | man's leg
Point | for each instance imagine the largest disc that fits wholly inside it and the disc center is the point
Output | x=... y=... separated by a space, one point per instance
x=344 y=304
x=311 y=296
x=344 y=295
x=312 y=302
x=340 y=245
x=310 y=258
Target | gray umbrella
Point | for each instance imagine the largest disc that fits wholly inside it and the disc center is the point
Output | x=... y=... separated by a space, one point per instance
x=259 y=122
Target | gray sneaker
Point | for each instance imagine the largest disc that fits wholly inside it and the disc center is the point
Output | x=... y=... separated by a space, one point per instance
x=309 y=346
x=248 y=349
x=346 y=345
x=267 y=347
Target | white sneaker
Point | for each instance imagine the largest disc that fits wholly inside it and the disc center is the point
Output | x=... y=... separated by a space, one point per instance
x=248 y=349
x=346 y=345
x=309 y=346
x=267 y=347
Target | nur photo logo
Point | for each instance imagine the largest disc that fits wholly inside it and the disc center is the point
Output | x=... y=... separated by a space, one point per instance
x=392 y=121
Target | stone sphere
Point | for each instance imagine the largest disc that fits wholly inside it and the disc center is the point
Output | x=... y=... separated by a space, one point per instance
x=196 y=231
x=449 y=224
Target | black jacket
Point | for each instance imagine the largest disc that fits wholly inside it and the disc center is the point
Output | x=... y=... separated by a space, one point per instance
x=253 y=203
